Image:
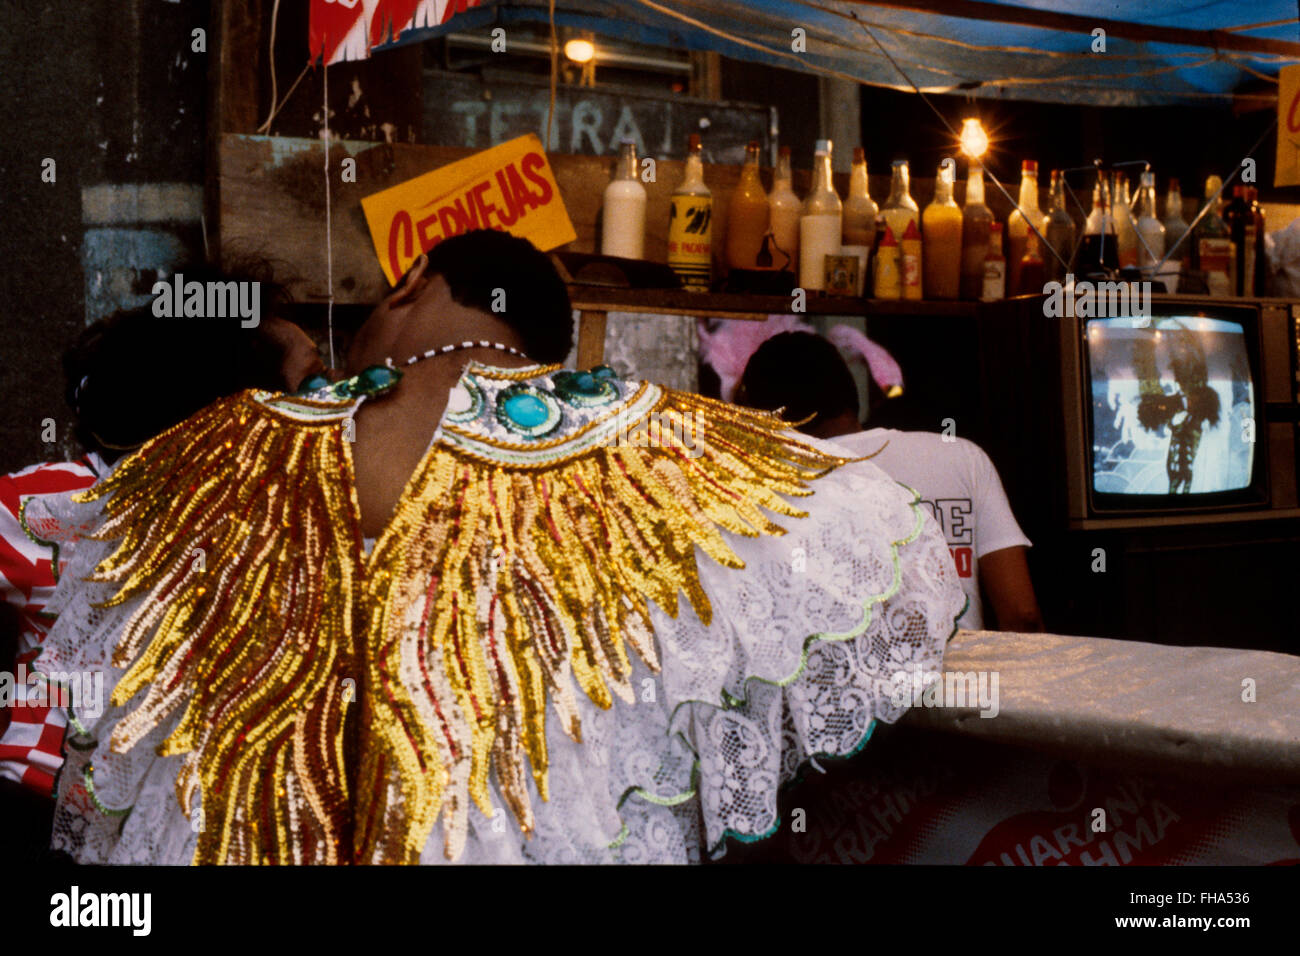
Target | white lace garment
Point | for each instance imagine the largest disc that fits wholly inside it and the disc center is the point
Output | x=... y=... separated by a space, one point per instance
x=799 y=662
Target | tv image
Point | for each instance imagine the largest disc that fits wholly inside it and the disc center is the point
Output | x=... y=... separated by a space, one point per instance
x=1174 y=408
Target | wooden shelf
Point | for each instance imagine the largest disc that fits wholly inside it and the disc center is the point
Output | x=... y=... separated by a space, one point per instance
x=594 y=298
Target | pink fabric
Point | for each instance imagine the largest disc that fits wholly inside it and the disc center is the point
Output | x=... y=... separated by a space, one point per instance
x=728 y=348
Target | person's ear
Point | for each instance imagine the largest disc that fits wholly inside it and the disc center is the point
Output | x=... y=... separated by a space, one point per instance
x=411 y=284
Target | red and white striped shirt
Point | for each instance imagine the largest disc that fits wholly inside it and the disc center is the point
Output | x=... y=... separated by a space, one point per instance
x=31 y=734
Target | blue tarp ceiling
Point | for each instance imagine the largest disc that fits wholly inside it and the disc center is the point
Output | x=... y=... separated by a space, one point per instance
x=943 y=53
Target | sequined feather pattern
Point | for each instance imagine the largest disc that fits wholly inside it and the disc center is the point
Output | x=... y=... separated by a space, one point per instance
x=247 y=572
x=518 y=569
x=517 y=572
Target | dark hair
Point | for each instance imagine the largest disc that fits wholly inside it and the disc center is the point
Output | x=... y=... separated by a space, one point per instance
x=802 y=373
x=133 y=375
x=536 y=305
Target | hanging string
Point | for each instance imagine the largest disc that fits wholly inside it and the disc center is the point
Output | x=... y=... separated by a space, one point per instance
x=555 y=69
x=329 y=230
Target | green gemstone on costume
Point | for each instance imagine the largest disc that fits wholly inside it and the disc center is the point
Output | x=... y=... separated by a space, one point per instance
x=375 y=380
x=312 y=383
x=528 y=411
x=584 y=389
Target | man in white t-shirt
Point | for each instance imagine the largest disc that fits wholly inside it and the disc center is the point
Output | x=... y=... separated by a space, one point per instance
x=805 y=375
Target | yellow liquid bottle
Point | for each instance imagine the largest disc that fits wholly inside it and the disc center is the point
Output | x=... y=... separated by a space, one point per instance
x=941 y=225
x=747 y=216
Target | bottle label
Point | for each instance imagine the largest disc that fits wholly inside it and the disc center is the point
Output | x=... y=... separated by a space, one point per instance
x=888 y=284
x=690 y=246
x=995 y=280
x=1216 y=261
x=911 y=264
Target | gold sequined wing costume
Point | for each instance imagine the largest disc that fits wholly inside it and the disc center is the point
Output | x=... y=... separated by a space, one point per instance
x=519 y=568
x=240 y=547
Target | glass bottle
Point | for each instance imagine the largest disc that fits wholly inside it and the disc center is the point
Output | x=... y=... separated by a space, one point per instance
x=821 y=223
x=690 y=224
x=1150 y=230
x=975 y=223
x=1058 y=229
x=1099 y=252
x=747 y=215
x=941 y=228
x=1175 y=224
x=1214 y=253
x=994 y=284
x=1018 y=221
x=784 y=208
x=900 y=208
x=1241 y=226
x=623 y=216
x=1033 y=270
x=1125 y=225
x=860 y=210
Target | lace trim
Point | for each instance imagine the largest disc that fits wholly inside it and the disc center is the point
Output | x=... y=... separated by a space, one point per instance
x=731 y=702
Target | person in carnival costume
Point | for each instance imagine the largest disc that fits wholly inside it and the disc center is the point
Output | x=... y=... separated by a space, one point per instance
x=468 y=605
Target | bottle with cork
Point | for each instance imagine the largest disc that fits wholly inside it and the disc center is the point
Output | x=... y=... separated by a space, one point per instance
x=690 y=224
x=1018 y=221
x=623 y=214
x=941 y=228
x=747 y=217
x=976 y=221
x=898 y=212
x=784 y=209
x=860 y=211
x=821 y=223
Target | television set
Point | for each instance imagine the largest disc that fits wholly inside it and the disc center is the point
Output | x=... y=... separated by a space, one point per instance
x=1165 y=410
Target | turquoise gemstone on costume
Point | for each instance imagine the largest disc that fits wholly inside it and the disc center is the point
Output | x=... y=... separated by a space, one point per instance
x=526 y=411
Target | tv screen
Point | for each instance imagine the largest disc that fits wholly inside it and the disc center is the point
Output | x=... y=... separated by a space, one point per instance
x=1173 y=406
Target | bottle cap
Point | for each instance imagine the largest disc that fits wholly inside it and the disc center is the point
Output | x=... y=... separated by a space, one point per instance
x=859 y=154
x=888 y=239
x=1029 y=166
x=753 y=145
x=911 y=232
x=823 y=147
x=1239 y=191
x=900 y=162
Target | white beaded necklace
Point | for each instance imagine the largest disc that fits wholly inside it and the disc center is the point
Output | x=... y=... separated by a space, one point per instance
x=456 y=347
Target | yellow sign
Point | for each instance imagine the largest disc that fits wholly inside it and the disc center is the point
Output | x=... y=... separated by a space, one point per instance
x=1287 y=172
x=508 y=187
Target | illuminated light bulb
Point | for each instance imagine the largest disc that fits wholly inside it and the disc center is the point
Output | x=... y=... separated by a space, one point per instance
x=580 y=51
x=974 y=141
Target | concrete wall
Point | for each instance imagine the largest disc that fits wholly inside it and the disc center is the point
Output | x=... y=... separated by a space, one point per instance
x=114 y=93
